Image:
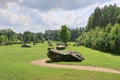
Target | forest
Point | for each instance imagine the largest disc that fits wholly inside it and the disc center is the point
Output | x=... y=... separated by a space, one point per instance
x=102 y=32
x=8 y=36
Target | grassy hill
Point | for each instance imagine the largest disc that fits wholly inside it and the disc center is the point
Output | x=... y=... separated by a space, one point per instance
x=15 y=64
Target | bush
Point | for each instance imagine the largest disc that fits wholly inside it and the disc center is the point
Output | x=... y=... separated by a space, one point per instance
x=107 y=39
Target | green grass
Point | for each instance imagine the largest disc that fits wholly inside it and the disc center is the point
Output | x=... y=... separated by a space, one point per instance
x=15 y=65
x=95 y=58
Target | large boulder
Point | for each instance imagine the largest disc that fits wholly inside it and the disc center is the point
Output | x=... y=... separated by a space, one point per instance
x=56 y=55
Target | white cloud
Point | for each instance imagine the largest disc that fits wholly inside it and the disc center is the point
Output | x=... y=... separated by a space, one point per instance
x=51 y=4
x=14 y=18
x=5 y=3
x=21 y=18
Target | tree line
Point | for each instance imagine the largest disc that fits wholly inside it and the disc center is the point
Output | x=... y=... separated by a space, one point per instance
x=103 y=16
x=107 y=39
x=54 y=34
x=103 y=30
x=8 y=36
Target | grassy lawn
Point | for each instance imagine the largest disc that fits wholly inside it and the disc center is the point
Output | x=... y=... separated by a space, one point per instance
x=15 y=64
x=95 y=58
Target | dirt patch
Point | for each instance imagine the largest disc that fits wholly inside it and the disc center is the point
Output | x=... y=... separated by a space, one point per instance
x=42 y=62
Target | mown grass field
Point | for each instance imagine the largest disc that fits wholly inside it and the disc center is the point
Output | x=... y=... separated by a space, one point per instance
x=15 y=64
x=95 y=58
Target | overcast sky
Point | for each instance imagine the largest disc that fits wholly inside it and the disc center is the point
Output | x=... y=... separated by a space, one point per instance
x=39 y=15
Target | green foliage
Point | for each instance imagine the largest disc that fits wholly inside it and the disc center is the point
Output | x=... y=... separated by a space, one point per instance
x=107 y=39
x=51 y=35
x=27 y=37
x=101 y=17
x=75 y=33
x=115 y=38
x=9 y=36
x=103 y=30
x=32 y=37
x=20 y=37
x=3 y=39
x=54 y=34
x=40 y=36
x=64 y=34
x=43 y=40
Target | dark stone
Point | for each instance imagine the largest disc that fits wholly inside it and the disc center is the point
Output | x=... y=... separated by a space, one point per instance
x=59 y=43
x=34 y=43
x=60 y=47
x=26 y=46
x=50 y=48
x=57 y=56
x=50 y=44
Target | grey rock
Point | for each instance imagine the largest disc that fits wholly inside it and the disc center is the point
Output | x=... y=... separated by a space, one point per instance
x=57 y=56
x=26 y=46
x=60 y=47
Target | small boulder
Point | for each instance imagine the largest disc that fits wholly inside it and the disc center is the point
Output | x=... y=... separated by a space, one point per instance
x=50 y=44
x=26 y=46
x=60 y=47
x=59 y=43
